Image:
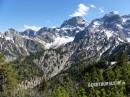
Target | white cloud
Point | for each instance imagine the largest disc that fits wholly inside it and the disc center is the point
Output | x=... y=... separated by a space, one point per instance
x=35 y=28
x=101 y=10
x=92 y=6
x=81 y=11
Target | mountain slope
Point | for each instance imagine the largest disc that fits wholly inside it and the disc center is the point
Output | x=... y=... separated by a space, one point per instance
x=90 y=44
x=73 y=42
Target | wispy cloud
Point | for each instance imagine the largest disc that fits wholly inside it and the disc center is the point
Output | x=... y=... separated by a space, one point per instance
x=81 y=11
x=33 y=27
x=101 y=10
x=92 y=6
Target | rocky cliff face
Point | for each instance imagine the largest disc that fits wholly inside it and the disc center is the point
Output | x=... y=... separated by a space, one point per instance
x=13 y=45
x=100 y=36
x=73 y=42
x=74 y=22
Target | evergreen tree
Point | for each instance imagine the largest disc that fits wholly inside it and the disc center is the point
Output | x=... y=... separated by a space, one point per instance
x=122 y=58
x=60 y=92
x=8 y=80
x=82 y=93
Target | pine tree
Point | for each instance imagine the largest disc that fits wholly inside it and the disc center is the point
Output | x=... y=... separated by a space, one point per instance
x=122 y=58
x=60 y=92
x=82 y=93
x=8 y=80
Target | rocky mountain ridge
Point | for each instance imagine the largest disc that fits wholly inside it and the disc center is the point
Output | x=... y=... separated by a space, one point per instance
x=73 y=42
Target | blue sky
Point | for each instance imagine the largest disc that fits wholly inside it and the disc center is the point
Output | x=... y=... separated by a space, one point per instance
x=21 y=14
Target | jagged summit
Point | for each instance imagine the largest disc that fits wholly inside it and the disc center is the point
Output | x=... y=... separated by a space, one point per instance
x=74 y=22
x=112 y=13
x=72 y=42
x=112 y=17
x=111 y=27
x=29 y=32
x=11 y=31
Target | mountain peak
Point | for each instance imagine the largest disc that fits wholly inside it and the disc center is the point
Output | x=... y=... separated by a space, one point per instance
x=10 y=31
x=112 y=18
x=77 y=21
x=112 y=13
x=29 y=32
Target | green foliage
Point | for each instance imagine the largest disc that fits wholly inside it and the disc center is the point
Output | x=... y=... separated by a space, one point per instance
x=8 y=80
x=120 y=72
x=60 y=92
x=26 y=68
x=73 y=82
x=81 y=93
x=122 y=58
x=42 y=86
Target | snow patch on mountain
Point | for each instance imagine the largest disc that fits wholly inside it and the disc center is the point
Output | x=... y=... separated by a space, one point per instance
x=119 y=39
x=59 y=41
x=109 y=34
x=9 y=38
x=125 y=19
x=1 y=35
x=96 y=24
x=119 y=26
x=128 y=39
